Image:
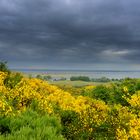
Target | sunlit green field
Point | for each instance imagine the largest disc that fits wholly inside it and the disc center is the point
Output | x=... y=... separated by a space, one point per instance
x=75 y=83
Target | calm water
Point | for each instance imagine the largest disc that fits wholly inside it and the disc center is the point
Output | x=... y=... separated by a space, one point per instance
x=91 y=74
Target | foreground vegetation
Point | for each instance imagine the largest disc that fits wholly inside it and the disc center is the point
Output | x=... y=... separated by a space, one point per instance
x=32 y=109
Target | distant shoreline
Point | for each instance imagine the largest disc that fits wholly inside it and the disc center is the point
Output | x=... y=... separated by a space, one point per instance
x=117 y=74
x=75 y=70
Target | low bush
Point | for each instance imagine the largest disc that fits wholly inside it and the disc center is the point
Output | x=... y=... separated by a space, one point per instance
x=80 y=78
x=12 y=80
x=32 y=109
x=30 y=126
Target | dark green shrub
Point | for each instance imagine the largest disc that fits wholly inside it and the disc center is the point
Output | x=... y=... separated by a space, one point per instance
x=102 y=79
x=138 y=85
x=39 y=76
x=103 y=93
x=47 y=77
x=80 y=78
x=117 y=89
x=130 y=84
x=4 y=67
x=4 y=125
x=12 y=80
x=32 y=126
x=70 y=123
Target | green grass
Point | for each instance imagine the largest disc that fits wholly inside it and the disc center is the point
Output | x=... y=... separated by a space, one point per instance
x=30 y=126
x=75 y=83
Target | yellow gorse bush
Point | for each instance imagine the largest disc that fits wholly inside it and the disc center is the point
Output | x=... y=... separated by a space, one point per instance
x=5 y=108
x=92 y=113
x=135 y=100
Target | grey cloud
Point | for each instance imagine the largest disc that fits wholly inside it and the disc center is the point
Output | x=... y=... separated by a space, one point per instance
x=68 y=31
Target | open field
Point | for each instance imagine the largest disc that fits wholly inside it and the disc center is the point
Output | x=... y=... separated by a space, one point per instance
x=76 y=83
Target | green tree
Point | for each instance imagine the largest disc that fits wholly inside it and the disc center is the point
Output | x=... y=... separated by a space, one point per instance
x=39 y=76
x=4 y=67
x=47 y=77
x=80 y=78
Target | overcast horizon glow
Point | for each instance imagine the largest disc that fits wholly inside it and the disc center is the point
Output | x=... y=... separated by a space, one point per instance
x=70 y=34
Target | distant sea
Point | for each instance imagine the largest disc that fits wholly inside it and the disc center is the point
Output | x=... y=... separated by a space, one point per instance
x=90 y=73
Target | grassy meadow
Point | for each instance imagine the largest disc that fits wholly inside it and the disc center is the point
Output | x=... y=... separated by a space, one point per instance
x=75 y=83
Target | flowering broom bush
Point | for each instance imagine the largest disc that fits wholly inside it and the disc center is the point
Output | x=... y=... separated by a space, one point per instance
x=81 y=117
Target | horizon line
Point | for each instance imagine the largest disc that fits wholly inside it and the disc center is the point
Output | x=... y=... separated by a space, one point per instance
x=101 y=70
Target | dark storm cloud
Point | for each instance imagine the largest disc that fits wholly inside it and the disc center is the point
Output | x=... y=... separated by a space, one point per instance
x=70 y=31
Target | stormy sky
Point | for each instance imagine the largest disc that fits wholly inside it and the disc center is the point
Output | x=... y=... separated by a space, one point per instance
x=70 y=34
